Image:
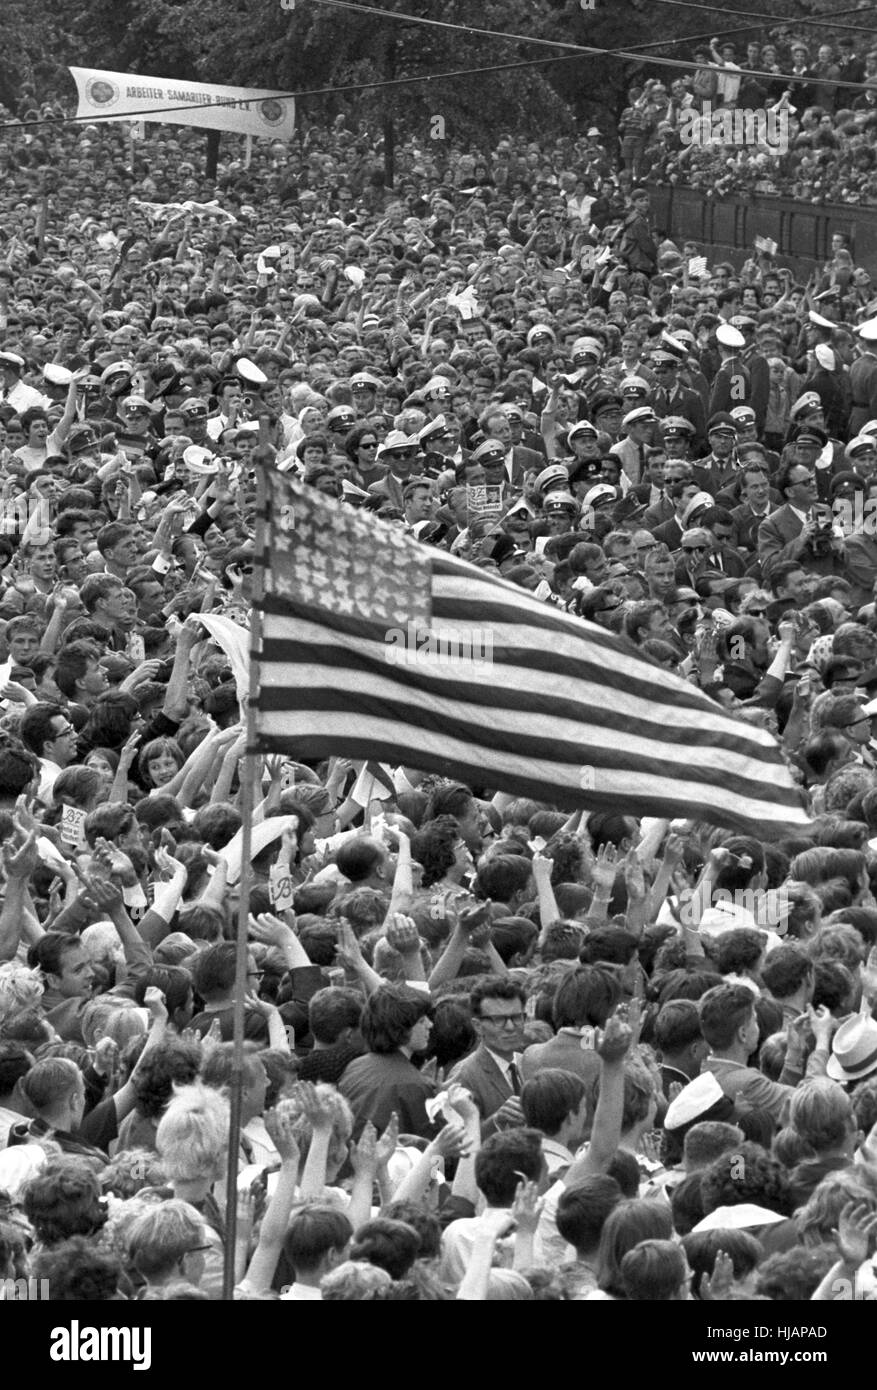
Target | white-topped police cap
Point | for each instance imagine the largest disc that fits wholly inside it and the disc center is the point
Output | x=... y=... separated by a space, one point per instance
x=676 y=424
x=859 y=445
x=825 y=357
x=601 y=492
x=819 y=320
x=868 y=330
x=114 y=369
x=560 y=502
x=695 y=1099
x=250 y=372
x=869 y=427
x=582 y=427
x=641 y=415
x=554 y=473
x=633 y=386
x=743 y=414
x=540 y=330
x=729 y=337
x=365 y=379
x=489 y=449
x=11 y=359
x=436 y=389
x=432 y=428
x=809 y=400
x=586 y=347
x=678 y=342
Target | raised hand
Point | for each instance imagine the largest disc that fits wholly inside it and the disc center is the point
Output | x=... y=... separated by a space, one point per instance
x=280 y=1125
x=718 y=1285
x=363 y=1154
x=452 y=1141
x=634 y=878
x=460 y=1100
x=855 y=1232
x=615 y=1040
x=527 y=1207
x=386 y=1145
x=403 y=936
x=268 y=929
x=315 y=1109
x=604 y=867
x=156 y=1003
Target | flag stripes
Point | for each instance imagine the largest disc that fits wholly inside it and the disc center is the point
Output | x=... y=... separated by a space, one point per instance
x=534 y=702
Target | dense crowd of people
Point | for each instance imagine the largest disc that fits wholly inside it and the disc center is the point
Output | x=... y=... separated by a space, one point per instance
x=492 y=1050
x=823 y=89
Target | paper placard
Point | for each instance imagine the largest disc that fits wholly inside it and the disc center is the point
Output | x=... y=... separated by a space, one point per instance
x=72 y=823
x=280 y=888
x=484 y=502
x=766 y=244
x=697 y=266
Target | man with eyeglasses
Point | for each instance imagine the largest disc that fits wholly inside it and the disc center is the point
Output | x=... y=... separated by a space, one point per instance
x=694 y=556
x=492 y=1072
x=399 y=451
x=662 y=506
x=47 y=732
x=800 y=529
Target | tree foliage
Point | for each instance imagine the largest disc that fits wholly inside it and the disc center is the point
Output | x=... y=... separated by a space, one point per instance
x=258 y=43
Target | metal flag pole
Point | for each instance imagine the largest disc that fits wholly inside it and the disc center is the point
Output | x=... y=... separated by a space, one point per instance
x=251 y=763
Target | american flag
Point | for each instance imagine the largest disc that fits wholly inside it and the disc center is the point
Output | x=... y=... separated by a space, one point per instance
x=510 y=693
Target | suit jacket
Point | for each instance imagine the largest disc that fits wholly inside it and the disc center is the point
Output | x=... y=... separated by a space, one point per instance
x=686 y=403
x=747 y=524
x=670 y=532
x=759 y=382
x=861 y=571
x=565 y=1052
x=776 y=536
x=776 y=542
x=658 y=513
x=525 y=461
x=863 y=386
x=488 y=1085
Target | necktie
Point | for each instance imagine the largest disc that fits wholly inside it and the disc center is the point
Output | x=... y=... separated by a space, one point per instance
x=514 y=1079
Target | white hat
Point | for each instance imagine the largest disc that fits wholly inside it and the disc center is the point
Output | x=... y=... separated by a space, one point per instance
x=740 y=1218
x=868 y=330
x=540 y=330
x=636 y=384
x=397 y=439
x=262 y=835
x=729 y=337
x=853 y=1049
x=869 y=427
x=436 y=388
x=250 y=372
x=582 y=427
x=554 y=473
x=699 y=1096
x=699 y=500
x=19 y=1164
x=808 y=400
x=11 y=359
x=859 y=444
x=819 y=320
x=643 y=414
x=598 y=492
x=433 y=427
x=825 y=357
